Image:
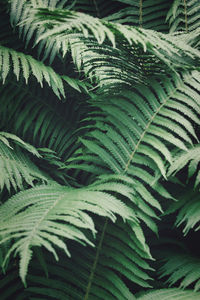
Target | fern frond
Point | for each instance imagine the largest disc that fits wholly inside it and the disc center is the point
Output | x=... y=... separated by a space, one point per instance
x=25 y=65
x=62 y=278
x=187 y=209
x=190 y=158
x=147 y=14
x=142 y=143
x=36 y=213
x=184 y=15
x=91 y=44
x=181 y=268
x=143 y=135
x=16 y=168
x=117 y=256
x=56 y=121
x=169 y=294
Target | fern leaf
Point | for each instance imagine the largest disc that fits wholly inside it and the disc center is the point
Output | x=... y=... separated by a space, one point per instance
x=182 y=268
x=87 y=50
x=16 y=167
x=51 y=118
x=191 y=157
x=27 y=63
x=165 y=294
x=149 y=15
x=184 y=16
x=37 y=219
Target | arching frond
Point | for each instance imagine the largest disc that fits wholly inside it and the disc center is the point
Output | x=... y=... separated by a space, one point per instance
x=32 y=218
x=166 y=294
x=126 y=141
x=181 y=268
x=16 y=168
x=25 y=65
x=63 y=22
x=60 y=279
x=139 y=127
x=137 y=53
x=187 y=209
x=190 y=158
x=108 y=278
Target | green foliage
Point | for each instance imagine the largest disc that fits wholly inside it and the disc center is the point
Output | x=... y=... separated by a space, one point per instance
x=190 y=158
x=30 y=217
x=148 y=45
x=147 y=14
x=91 y=184
x=174 y=294
x=25 y=65
x=182 y=268
x=184 y=15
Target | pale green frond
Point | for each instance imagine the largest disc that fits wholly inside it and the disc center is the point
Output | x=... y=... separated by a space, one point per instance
x=16 y=168
x=143 y=131
x=182 y=159
x=30 y=216
x=152 y=52
x=169 y=294
x=26 y=65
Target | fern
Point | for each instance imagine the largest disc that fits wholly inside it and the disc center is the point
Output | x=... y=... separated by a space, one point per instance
x=22 y=64
x=35 y=211
x=131 y=150
x=181 y=268
x=184 y=15
x=139 y=13
x=15 y=166
x=147 y=40
x=190 y=158
x=166 y=294
x=103 y=168
x=142 y=130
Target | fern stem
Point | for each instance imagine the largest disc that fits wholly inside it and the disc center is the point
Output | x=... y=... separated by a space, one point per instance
x=95 y=261
x=140 y=13
x=186 y=17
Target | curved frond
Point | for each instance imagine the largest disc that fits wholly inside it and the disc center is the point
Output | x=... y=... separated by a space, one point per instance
x=16 y=168
x=110 y=54
x=63 y=22
x=56 y=121
x=166 y=294
x=191 y=160
x=32 y=218
x=25 y=65
x=187 y=209
x=181 y=268
x=139 y=127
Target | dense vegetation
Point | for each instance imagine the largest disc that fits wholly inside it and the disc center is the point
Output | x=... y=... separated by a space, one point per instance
x=99 y=149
